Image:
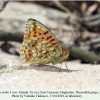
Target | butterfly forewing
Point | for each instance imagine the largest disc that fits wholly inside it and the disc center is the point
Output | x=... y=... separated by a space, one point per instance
x=39 y=45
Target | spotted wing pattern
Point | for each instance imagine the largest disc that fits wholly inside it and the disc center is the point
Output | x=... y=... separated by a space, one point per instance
x=39 y=45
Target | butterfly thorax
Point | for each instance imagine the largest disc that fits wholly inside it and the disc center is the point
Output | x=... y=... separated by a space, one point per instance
x=65 y=54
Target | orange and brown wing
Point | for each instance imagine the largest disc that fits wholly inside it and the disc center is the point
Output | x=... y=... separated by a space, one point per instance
x=36 y=29
x=39 y=44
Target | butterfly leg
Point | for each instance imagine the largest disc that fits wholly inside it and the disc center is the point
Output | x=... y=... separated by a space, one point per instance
x=66 y=65
x=60 y=67
x=52 y=63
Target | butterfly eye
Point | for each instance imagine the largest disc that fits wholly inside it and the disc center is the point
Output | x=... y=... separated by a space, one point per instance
x=65 y=51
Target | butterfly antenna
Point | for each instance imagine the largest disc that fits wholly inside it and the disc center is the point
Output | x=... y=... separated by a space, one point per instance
x=71 y=37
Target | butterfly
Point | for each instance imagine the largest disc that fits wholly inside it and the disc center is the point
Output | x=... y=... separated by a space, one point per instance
x=40 y=46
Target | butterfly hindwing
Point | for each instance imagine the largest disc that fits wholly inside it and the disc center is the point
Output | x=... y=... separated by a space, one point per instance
x=39 y=46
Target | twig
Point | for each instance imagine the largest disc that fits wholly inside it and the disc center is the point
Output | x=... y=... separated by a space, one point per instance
x=61 y=6
x=10 y=36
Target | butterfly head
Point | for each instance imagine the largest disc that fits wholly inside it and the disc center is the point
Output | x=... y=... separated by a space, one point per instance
x=65 y=54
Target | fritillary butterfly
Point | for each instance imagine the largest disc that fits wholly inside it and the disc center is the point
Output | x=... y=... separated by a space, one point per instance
x=40 y=46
